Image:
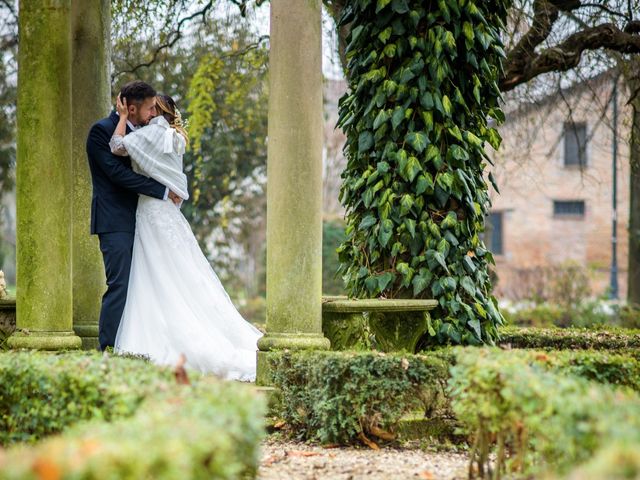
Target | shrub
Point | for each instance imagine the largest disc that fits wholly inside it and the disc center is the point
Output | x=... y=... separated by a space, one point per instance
x=593 y=314
x=338 y=397
x=523 y=413
x=566 y=284
x=123 y=418
x=617 y=462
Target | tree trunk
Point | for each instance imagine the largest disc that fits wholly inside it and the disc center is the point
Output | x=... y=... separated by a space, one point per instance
x=631 y=72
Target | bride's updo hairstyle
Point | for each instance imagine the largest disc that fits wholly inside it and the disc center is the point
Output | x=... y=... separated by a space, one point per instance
x=167 y=107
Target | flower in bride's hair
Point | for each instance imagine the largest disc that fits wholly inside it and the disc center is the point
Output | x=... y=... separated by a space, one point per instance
x=178 y=120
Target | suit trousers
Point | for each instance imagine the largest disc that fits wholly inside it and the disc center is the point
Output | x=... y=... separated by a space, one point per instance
x=117 y=249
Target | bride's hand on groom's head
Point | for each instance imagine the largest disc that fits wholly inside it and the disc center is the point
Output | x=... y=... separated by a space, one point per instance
x=121 y=106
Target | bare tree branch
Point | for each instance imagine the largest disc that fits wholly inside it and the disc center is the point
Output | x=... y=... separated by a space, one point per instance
x=12 y=9
x=566 y=55
x=172 y=39
x=611 y=12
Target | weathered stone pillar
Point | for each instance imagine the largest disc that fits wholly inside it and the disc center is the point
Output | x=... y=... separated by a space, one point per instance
x=44 y=186
x=294 y=181
x=91 y=100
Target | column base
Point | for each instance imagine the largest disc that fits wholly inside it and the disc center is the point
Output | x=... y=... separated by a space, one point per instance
x=271 y=343
x=293 y=341
x=44 y=340
x=88 y=333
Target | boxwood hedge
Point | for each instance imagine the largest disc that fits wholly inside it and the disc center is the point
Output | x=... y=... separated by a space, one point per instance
x=122 y=418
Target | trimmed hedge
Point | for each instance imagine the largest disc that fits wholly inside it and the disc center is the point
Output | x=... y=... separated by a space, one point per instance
x=339 y=396
x=43 y=393
x=123 y=418
x=529 y=416
x=570 y=338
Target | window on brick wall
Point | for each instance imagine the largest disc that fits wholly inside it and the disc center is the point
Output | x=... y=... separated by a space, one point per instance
x=493 y=233
x=575 y=144
x=568 y=208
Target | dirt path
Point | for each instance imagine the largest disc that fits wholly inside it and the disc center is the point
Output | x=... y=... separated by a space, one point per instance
x=292 y=460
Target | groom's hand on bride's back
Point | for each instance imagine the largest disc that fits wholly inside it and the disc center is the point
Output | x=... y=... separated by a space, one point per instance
x=175 y=198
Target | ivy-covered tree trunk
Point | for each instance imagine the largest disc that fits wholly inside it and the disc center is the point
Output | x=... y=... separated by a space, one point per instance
x=422 y=86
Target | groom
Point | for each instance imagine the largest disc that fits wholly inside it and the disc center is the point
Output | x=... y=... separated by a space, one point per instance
x=115 y=198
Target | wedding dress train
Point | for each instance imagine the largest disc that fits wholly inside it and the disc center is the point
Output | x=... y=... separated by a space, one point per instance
x=175 y=301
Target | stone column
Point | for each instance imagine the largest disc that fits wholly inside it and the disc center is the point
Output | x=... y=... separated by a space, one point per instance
x=44 y=186
x=91 y=100
x=294 y=181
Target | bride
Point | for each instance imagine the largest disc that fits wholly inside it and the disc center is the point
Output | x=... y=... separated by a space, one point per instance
x=175 y=302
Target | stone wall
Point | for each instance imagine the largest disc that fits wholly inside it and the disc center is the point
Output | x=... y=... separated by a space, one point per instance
x=531 y=174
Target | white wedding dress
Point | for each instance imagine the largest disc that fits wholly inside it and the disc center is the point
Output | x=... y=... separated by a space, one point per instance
x=175 y=302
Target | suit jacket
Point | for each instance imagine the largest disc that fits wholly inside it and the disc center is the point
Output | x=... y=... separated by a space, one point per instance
x=115 y=185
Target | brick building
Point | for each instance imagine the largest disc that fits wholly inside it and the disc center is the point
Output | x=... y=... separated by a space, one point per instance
x=555 y=175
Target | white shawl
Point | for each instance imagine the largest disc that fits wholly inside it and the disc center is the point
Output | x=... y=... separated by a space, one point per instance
x=157 y=151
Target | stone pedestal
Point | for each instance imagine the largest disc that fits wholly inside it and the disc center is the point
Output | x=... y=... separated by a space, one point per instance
x=294 y=181
x=44 y=182
x=91 y=100
x=387 y=325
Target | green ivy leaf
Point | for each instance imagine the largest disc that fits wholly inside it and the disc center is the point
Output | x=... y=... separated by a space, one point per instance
x=385 y=35
x=386 y=230
x=410 y=223
x=405 y=204
x=400 y=6
x=446 y=105
x=450 y=221
x=365 y=141
x=492 y=179
x=467 y=284
x=440 y=259
x=397 y=117
x=383 y=167
x=385 y=279
x=458 y=152
x=381 y=4
x=367 y=222
x=372 y=284
x=418 y=140
x=494 y=138
x=424 y=182
x=475 y=325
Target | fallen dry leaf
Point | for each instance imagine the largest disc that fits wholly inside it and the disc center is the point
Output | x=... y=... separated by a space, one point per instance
x=380 y=433
x=372 y=445
x=301 y=453
x=180 y=373
x=426 y=475
x=270 y=460
x=278 y=425
x=45 y=469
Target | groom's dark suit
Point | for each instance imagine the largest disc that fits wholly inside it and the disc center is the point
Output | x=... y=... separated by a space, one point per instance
x=113 y=218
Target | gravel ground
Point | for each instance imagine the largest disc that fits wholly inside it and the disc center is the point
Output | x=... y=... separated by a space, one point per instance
x=292 y=460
